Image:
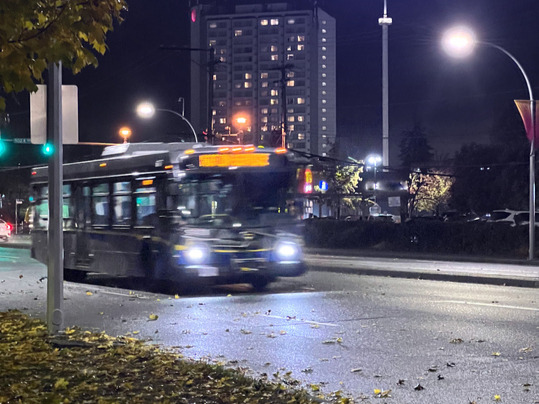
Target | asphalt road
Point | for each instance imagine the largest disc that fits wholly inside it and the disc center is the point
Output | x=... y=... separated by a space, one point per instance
x=459 y=342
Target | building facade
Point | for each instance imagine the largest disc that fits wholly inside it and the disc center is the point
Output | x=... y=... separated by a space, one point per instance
x=273 y=73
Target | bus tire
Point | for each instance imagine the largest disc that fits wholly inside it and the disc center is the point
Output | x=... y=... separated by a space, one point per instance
x=260 y=282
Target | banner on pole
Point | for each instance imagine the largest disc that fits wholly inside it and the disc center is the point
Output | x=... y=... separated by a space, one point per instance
x=532 y=128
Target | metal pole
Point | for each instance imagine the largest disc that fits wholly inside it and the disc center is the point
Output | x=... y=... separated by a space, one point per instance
x=531 y=230
x=211 y=70
x=183 y=117
x=385 y=22
x=55 y=265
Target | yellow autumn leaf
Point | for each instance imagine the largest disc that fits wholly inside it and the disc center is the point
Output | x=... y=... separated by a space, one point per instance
x=497 y=397
x=89 y=293
x=69 y=331
x=176 y=296
x=60 y=384
x=136 y=332
x=283 y=332
x=377 y=391
x=315 y=387
x=153 y=317
x=496 y=354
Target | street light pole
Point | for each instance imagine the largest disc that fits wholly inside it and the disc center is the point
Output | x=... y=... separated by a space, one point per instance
x=459 y=42
x=385 y=22
x=147 y=110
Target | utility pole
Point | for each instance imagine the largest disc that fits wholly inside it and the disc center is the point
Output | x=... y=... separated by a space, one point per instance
x=385 y=22
x=283 y=81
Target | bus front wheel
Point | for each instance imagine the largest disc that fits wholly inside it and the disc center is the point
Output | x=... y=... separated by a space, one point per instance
x=260 y=282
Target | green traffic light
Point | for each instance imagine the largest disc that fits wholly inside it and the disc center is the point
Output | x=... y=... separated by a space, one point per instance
x=3 y=147
x=47 y=149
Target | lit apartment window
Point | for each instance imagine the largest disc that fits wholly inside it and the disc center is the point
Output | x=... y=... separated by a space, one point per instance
x=214 y=77
x=248 y=76
x=290 y=74
x=247 y=84
x=274 y=93
x=222 y=59
x=324 y=92
x=274 y=21
x=290 y=110
x=324 y=101
x=324 y=40
x=273 y=101
x=291 y=21
x=212 y=42
x=324 y=110
x=324 y=31
x=324 y=48
x=264 y=128
x=291 y=119
x=263 y=75
x=222 y=120
x=301 y=136
x=301 y=118
x=300 y=100
x=290 y=83
x=263 y=22
x=290 y=56
x=324 y=127
x=213 y=25
x=324 y=84
x=214 y=112
x=324 y=119
x=238 y=32
x=324 y=136
x=264 y=84
x=264 y=119
x=289 y=48
x=237 y=85
x=324 y=75
x=324 y=22
x=264 y=111
x=324 y=145
x=222 y=103
x=290 y=127
x=301 y=38
x=274 y=57
x=324 y=57
x=273 y=48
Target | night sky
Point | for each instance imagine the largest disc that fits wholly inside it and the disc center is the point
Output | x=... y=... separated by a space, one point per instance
x=455 y=101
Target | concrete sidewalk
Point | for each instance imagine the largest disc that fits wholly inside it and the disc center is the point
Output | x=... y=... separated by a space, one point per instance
x=455 y=268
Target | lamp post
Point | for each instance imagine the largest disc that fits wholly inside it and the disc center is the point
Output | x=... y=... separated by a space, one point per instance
x=460 y=42
x=146 y=110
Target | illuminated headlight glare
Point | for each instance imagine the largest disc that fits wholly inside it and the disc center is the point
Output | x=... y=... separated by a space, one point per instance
x=287 y=250
x=196 y=253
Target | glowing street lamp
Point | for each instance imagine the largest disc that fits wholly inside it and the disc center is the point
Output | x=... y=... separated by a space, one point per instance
x=146 y=110
x=461 y=42
x=373 y=160
x=125 y=133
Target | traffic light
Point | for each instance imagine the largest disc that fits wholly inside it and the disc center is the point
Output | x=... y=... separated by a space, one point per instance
x=3 y=148
x=47 y=149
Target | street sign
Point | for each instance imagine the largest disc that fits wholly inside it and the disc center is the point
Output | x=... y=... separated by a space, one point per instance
x=22 y=140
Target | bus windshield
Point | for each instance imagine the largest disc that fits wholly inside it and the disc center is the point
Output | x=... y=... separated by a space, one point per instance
x=244 y=196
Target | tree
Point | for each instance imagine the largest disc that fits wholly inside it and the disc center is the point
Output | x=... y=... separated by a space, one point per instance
x=414 y=147
x=434 y=193
x=34 y=33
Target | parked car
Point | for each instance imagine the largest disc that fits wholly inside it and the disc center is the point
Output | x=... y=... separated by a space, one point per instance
x=523 y=218
x=5 y=230
x=503 y=216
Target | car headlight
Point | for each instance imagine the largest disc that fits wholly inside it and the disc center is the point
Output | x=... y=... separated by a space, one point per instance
x=197 y=253
x=287 y=251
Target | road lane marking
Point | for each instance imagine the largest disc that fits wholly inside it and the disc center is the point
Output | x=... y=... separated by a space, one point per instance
x=504 y=306
x=301 y=321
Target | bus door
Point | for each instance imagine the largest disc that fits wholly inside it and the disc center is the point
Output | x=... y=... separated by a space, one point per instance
x=83 y=226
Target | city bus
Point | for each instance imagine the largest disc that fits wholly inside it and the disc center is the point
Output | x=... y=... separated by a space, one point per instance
x=179 y=212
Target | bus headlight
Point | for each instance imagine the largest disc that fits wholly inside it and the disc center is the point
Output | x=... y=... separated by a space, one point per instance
x=197 y=253
x=287 y=251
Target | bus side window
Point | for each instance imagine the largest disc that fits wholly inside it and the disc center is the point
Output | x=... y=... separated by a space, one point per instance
x=121 y=200
x=145 y=209
x=100 y=205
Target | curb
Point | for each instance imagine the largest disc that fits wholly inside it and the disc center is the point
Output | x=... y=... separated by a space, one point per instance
x=433 y=276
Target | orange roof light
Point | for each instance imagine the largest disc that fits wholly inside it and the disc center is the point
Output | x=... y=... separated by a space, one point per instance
x=237 y=149
x=249 y=149
x=147 y=182
x=169 y=167
x=280 y=150
x=224 y=149
x=103 y=165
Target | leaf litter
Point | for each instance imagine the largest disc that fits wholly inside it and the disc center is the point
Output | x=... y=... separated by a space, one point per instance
x=83 y=366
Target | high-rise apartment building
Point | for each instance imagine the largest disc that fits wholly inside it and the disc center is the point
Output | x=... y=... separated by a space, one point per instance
x=273 y=72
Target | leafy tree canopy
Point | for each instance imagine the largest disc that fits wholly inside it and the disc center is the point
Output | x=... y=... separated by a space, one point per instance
x=34 y=33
